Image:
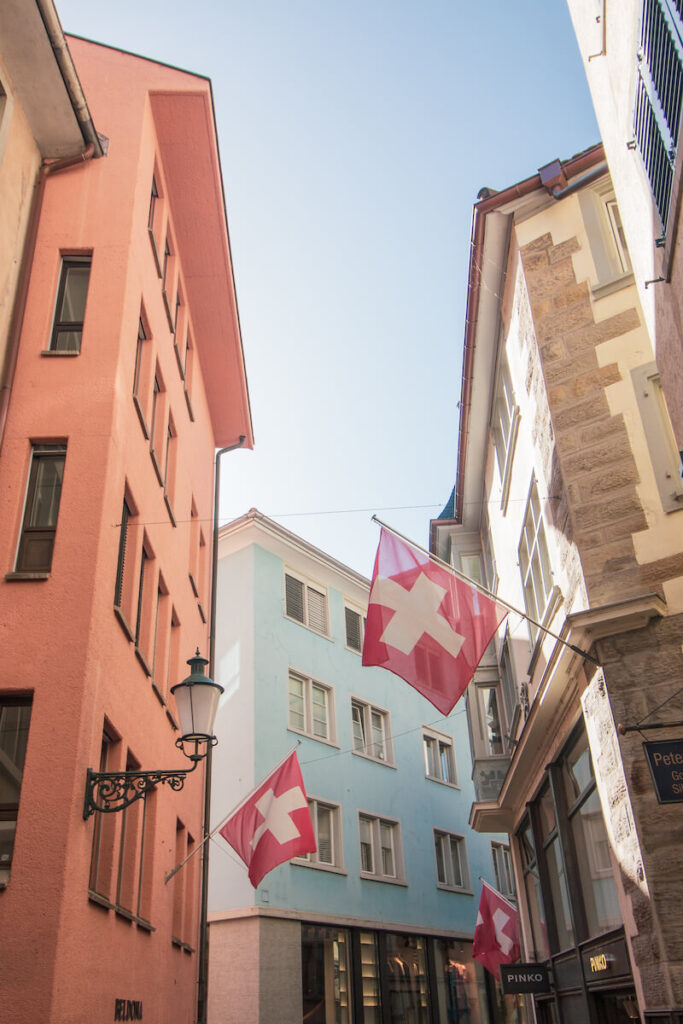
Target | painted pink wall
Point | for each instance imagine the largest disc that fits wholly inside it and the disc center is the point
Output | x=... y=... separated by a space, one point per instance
x=64 y=958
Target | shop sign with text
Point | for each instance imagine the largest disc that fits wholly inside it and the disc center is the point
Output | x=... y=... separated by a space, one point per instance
x=665 y=759
x=524 y=978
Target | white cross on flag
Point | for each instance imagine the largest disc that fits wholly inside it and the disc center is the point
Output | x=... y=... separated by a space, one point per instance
x=496 y=936
x=273 y=824
x=424 y=624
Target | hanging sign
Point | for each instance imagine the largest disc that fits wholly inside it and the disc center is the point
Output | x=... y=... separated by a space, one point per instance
x=665 y=759
x=525 y=978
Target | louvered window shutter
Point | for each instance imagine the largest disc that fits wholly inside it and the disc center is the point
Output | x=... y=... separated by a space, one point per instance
x=294 y=598
x=317 y=610
x=121 y=566
x=353 y=630
x=325 y=835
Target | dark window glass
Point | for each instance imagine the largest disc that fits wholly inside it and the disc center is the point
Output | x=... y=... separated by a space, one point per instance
x=121 y=567
x=142 y=337
x=15 y=717
x=152 y=204
x=70 y=311
x=42 y=508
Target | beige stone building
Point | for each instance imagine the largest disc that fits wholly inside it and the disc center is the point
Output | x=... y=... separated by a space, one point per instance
x=632 y=51
x=568 y=504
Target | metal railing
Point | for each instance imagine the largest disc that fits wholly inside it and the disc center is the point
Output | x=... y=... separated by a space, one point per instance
x=659 y=96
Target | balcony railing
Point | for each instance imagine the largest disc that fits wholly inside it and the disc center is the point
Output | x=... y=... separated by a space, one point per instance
x=488 y=774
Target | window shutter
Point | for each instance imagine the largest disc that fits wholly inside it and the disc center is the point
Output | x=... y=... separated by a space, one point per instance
x=325 y=835
x=294 y=598
x=317 y=610
x=353 y=630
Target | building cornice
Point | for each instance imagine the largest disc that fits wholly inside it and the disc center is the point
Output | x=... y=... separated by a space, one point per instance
x=556 y=686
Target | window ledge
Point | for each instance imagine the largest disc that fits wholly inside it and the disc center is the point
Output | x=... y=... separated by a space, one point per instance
x=332 y=869
x=179 y=944
x=143 y=661
x=124 y=624
x=381 y=878
x=615 y=285
x=171 y=718
x=202 y=613
x=158 y=694
x=457 y=889
x=144 y=925
x=100 y=901
x=153 y=242
x=304 y=625
x=178 y=360
x=17 y=577
x=375 y=760
x=169 y=311
x=189 y=405
x=354 y=650
x=169 y=509
x=60 y=352
x=157 y=469
x=310 y=736
x=141 y=416
x=127 y=915
x=193 y=584
x=442 y=782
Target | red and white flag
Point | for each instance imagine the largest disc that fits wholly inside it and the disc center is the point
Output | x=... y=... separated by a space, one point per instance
x=496 y=936
x=274 y=823
x=424 y=624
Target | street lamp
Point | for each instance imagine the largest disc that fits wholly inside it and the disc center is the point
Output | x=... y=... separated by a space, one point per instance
x=197 y=702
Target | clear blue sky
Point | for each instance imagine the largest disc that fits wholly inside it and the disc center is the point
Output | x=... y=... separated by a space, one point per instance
x=354 y=138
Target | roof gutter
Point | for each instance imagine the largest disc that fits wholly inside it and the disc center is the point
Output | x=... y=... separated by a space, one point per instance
x=580 y=164
x=55 y=34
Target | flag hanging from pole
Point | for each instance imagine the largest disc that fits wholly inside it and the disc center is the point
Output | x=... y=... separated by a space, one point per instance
x=274 y=823
x=496 y=935
x=425 y=624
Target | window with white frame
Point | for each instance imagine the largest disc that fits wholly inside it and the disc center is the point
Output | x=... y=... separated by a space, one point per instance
x=306 y=602
x=490 y=714
x=534 y=561
x=666 y=459
x=354 y=624
x=502 y=868
x=371 y=731
x=310 y=708
x=504 y=426
x=439 y=755
x=380 y=848
x=451 y=861
x=508 y=680
x=326 y=821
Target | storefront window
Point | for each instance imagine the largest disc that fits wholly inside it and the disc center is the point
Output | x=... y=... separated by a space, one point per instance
x=532 y=886
x=369 y=962
x=408 y=991
x=325 y=975
x=460 y=985
x=595 y=867
x=560 y=894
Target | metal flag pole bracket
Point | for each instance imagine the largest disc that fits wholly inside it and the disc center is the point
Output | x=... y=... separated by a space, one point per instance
x=489 y=593
x=623 y=729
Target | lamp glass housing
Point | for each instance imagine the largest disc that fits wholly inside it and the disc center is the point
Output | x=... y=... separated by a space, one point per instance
x=197 y=702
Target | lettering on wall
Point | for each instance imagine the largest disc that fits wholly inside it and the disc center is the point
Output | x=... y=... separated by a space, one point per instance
x=128 y=1009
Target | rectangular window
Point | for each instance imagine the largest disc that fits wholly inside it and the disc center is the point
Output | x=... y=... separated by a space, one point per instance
x=354 y=622
x=490 y=717
x=502 y=867
x=154 y=195
x=534 y=562
x=104 y=829
x=162 y=629
x=170 y=462
x=451 y=861
x=310 y=708
x=15 y=718
x=188 y=370
x=380 y=849
x=43 y=496
x=306 y=603
x=326 y=976
x=371 y=731
x=439 y=755
x=504 y=426
x=326 y=819
x=142 y=374
x=158 y=428
x=67 y=329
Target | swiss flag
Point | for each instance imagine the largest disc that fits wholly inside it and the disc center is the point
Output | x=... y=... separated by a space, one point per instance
x=424 y=624
x=496 y=936
x=273 y=824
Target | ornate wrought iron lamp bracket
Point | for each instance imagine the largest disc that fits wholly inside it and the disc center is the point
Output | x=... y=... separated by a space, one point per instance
x=107 y=792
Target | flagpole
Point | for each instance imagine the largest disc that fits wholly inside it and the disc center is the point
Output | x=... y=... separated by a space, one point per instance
x=234 y=810
x=484 y=590
x=499 y=894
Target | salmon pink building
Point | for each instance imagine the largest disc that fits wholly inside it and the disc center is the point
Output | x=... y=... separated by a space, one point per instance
x=129 y=375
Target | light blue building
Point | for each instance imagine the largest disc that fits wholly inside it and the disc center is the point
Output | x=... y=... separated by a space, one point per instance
x=377 y=926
